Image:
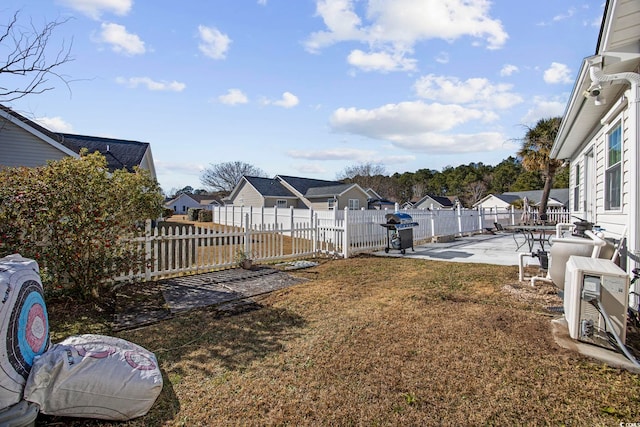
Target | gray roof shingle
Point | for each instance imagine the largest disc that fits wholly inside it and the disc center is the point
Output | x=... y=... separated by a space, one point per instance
x=269 y=187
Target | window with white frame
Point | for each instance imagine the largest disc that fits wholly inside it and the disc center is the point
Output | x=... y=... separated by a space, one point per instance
x=354 y=204
x=613 y=171
x=331 y=203
x=281 y=203
x=576 y=189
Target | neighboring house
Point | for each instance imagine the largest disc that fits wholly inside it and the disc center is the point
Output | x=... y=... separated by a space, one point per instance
x=181 y=204
x=289 y=191
x=599 y=133
x=26 y=143
x=434 y=202
x=496 y=201
x=558 y=198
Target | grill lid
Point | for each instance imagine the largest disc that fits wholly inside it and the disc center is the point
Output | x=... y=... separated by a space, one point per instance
x=398 y=218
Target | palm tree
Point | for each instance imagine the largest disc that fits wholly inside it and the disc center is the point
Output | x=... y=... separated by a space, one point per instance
x=536 y=146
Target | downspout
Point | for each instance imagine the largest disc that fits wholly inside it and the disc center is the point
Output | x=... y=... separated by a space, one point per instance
x=597 y=76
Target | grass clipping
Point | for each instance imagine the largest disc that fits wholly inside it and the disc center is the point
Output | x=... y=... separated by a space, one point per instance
x=381 y=341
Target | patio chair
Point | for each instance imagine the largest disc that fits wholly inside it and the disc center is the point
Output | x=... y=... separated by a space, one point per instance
x=501 y=229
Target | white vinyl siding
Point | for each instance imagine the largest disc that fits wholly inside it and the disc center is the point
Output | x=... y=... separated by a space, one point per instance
x=20 y=148
x=248 y=196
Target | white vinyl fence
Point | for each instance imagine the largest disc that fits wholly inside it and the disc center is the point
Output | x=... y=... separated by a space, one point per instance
x=271 y=234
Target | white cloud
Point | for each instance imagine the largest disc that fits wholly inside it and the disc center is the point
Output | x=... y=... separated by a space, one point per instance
x=563 y=16
x=380 y=61
x=544 y=108
x=120 y=40
x=442 y=58
x=433 y=143
x=55 y=124
x=233 y=97
x=95 y=8
x=393 y=120
x=262 y=2
x=333 y=154
x=397 y=25
x=309 y=168
x=134 y=82
x=508 y=70
x=474 y=91
x=288 y=100
x=557 y=73
x=417 y=126
x=213 y=43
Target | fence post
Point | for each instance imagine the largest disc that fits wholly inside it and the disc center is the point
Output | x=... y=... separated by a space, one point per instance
x=291 y=220
x=147 y=250
x=480 y=218
x=247 y=237
x=459 y=220
x=315 y=236
x=433 y=223
x=513 y=215
x=345 y=235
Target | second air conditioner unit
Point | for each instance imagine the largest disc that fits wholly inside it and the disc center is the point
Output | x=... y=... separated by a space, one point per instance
x=587 y=281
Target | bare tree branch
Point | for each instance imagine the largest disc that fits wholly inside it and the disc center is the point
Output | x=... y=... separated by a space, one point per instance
x=29 y=60
x=225 y=176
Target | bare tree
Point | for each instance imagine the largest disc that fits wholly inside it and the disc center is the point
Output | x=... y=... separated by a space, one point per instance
x=29 y=60
x=362 y=170
x=225 y=176
x=366 y=175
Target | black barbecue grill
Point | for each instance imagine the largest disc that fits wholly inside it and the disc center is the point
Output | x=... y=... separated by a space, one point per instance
x=399 y=227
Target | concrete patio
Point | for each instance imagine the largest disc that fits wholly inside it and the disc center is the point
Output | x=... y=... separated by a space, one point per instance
x=498 y=249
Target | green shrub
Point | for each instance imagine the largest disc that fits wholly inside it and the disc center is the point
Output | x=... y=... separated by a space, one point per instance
x=76 y=220
x=205 y=216
x=167 y=212
x=192 y=214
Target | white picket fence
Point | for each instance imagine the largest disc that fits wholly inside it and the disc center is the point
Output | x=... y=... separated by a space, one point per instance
x=271 y=235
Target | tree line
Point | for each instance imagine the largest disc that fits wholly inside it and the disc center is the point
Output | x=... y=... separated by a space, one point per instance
x=469 y=183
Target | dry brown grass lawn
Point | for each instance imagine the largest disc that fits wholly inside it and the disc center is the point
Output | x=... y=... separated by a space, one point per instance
x=379 y=342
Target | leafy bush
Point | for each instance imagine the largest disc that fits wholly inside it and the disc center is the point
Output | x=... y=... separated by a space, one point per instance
x=205 y=216
x=77 y=220
x=192 y=214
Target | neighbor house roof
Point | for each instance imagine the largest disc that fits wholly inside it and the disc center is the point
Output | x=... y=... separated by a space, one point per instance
x=560 y=195
x=442 y=200
x=319 y=187
x=119 y=153
x=269 y=187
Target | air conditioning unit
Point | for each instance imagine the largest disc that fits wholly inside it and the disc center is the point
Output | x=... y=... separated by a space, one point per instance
x=590 y=279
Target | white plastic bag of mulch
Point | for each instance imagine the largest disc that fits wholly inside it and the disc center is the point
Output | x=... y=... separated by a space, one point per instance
x=24 y=325
x=95 y=376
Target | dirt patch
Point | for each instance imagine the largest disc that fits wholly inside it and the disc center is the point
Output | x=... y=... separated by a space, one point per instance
x=542 y=295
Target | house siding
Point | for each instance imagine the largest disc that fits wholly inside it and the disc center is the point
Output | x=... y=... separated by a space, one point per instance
x=182 y=204
x=20 y=148
x=353 y=193
x=248 y=196
x=613 y=221
x=493 y=203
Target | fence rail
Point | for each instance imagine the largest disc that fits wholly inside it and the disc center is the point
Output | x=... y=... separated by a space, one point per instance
x=269 y=235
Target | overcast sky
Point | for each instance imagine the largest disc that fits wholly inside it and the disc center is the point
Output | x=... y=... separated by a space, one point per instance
x=309 y=87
